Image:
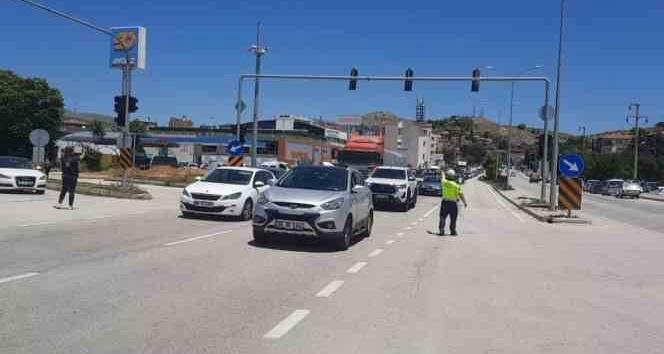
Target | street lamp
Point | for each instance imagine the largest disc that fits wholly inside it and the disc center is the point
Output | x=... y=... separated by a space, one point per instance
x=509 y=129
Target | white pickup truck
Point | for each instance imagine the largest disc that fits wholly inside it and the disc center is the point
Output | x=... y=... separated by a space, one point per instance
x=393 y=185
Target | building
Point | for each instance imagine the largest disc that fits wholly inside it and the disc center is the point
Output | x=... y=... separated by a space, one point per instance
x=182 y=122
x=73 y=125
x=613 y=142
x=146 y=122
x=412 y=139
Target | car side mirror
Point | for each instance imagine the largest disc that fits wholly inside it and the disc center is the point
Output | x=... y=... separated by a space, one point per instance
x=259 y=184
x=356 y=189
x=198 y=178
x=411 y=178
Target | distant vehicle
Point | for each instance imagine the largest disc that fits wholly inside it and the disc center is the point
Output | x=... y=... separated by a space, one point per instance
x=17 y=174
x=142 y=162
x=366 y=152
x=164 y=161
x=649 y=187
x=393 y=185
x=326 y=203
x=534 y=178
x=275 y=165
x=613 y=186
x=629 y=189
x=228 y=191
x=431 y=186
x=599 y=187
x=588 y=185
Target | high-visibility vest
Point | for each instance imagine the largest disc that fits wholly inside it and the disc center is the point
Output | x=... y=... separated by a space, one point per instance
x=451 y=190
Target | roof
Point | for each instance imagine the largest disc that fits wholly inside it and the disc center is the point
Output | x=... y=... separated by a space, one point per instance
x=616 y=135
x=394 y=167
x=252 y=169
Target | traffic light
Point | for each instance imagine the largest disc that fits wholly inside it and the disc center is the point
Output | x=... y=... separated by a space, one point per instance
x=121 y=119
x=120 y=110
x=408 y=84
x=352 y=84
x=475 y=85
x=132 y=104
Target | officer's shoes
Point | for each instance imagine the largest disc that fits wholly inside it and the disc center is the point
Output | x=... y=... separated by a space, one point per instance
x=454 y=233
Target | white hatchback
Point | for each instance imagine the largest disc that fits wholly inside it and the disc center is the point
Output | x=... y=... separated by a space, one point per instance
x=17 y=174
x=227 y=191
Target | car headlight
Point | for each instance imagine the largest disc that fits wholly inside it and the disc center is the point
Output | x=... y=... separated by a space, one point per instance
x=232 y=196
x=262 y=199
x=5 y=176
x=333 y=204
x=402 y=186
x=186 y=193
x=42 y=177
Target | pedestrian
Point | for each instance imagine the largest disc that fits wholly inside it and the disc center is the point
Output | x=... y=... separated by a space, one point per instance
x=69 y=164
x=449 y=206
x=47 y=167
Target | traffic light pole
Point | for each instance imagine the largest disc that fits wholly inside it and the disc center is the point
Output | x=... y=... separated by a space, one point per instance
x=126 y=93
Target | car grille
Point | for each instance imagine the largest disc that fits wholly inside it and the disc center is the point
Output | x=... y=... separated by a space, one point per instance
x=202 y=196
x=382 y=188
x=25 y=181
x=308 y=217
x=294 y=205
x=216 y=209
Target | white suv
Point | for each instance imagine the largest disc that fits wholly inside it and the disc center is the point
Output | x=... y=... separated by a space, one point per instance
x=393 y=185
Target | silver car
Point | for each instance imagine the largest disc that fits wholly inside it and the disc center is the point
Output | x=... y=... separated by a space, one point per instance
x=325 y=203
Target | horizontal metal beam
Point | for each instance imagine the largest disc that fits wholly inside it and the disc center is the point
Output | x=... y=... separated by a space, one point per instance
x=395 y=78
x=70 y=17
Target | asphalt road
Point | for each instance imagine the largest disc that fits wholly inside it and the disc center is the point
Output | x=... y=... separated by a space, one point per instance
x=640 y=213
x=136 y=278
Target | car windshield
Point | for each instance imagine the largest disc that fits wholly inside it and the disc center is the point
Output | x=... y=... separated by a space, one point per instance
x=391 y=173
x=432 y=179
x=14 y=162
x=318 y=178
x=229 y=176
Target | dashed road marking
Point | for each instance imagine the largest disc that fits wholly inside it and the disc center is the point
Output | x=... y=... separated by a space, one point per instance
x=414 y=223
x=330 y=288
x=287 y=324
x=356 y=267
x=420 y=219
x=399 y=234
x=375 y=252
x=196 y=238
x=495 y=195
x=17 y=277
x=408 y=228
x=426 y=215
x=39 y=224
x=389 y=242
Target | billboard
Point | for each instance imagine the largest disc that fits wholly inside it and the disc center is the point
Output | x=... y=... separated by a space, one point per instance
x=129 y=41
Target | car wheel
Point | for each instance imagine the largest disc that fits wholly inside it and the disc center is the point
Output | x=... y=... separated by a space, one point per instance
x=405 y=206
x=369 y=225
x=260 y=237
x=342 y=243
x=247 y=210
x=186 y=214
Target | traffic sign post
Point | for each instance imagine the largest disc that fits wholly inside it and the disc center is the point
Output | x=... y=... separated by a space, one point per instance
x=38 y=138
x=571 y=165
x=235 y=160
x=569 y=194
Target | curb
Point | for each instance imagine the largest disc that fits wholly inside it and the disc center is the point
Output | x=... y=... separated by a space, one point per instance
x=642 y=196
x=547 y=219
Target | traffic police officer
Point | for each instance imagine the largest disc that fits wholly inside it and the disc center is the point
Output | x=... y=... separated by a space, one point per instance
x=451 y=195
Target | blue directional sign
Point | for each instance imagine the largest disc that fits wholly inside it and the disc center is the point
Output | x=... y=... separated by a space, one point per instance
x=234 y=148
x=571 y=165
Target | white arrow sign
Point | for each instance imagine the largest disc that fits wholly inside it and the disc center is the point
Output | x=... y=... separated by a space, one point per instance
x=573 y=167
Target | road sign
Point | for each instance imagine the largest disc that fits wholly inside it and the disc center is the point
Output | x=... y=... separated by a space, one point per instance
x=549 y=111
x=39 y=137
x=125 y=158
x=571 y=165
x=127 y=141
x=37 y=155
x=241 y=106
x=235 y=160
x=131 y=42
x=569 y=193
x=234 y=148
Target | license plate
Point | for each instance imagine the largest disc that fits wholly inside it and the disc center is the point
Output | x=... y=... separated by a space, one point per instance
x=381 y=196
x=290 y=225
x=24 y=183
x=203 y=204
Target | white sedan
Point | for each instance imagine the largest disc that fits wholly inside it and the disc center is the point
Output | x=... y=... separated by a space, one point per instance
x=227 y=191
x=17 y=174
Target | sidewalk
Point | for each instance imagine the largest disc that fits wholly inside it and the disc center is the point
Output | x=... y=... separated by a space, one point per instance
x=532 y=206
x=652 y=196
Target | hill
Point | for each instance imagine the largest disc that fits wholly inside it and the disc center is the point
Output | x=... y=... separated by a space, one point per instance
x=87 y=117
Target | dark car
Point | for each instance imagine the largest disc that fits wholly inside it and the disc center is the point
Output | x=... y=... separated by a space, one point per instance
x=164 y=161
x=599 y=187
x=430 y=186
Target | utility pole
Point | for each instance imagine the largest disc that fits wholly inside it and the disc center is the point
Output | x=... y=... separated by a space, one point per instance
x=556 y=123
x=258 y=50
x=637 y=117
x=582 y=129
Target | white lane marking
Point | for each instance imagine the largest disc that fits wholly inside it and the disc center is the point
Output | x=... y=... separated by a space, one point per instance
x=97 y=218
x=197 y=238
x=399 y=234
x=420 y=219
x=407 y=228
x=356 y=267
x=17 y=277
x=330 y=288
x=39 y=224
x=495 y=195
x=414 y=223
x=389 y=242
x=375 y=252
x=426 y=215
x=287 y=324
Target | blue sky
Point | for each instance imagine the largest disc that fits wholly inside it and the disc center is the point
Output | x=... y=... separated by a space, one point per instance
x=197 y=49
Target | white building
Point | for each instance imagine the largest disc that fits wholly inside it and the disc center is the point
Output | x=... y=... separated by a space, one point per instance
x=412 y=139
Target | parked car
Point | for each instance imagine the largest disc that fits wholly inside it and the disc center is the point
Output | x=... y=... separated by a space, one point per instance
x=599 y=187
x=431 y=186
x=17 y=174
x=649 y=187
x=613 y=186
x=164 y=161
x=326 y=203
x=588 y=185
x=393 y=185
x=629 y=189
x=227 y=191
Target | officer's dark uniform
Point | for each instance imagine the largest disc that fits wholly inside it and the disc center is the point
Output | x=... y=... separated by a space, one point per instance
x=451 y=192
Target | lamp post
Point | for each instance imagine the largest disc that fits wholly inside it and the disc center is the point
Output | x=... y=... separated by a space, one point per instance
x=258 y=50
x=509 y=129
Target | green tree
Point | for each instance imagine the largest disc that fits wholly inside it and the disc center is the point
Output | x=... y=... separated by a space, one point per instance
x=490 y=167
x=98 y=129
x=474 y=153
x=26 y=104
x=522 y=126
x=137 y=127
